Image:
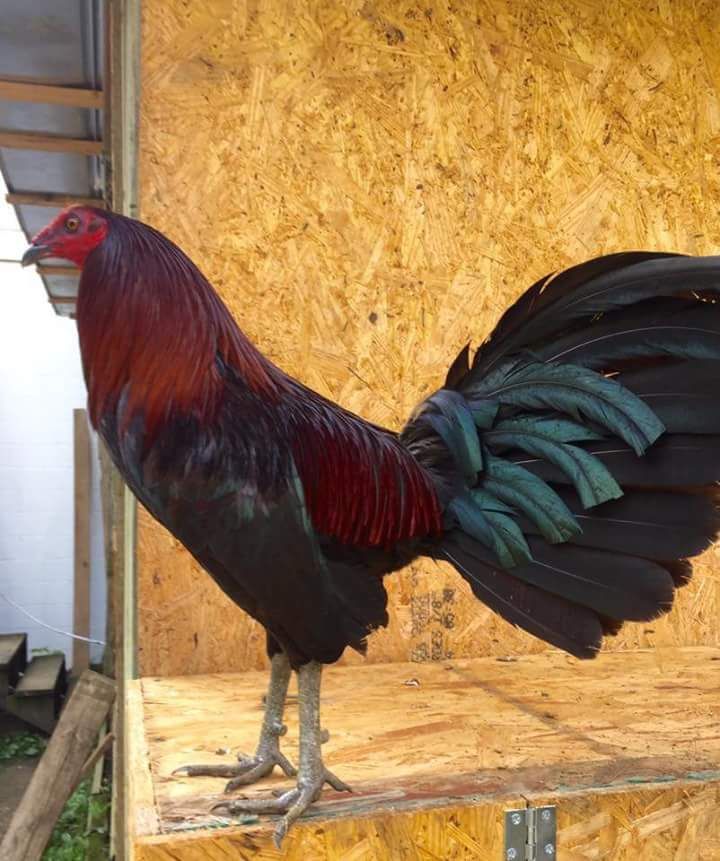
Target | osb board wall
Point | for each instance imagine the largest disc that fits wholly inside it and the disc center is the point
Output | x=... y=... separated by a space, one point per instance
x=369 y=184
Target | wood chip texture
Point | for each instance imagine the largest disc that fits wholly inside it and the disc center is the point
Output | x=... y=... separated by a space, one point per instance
x=370 y=183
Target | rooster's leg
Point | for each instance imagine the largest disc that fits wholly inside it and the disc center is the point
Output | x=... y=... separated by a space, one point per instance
x=312 y=775
x=249 y=769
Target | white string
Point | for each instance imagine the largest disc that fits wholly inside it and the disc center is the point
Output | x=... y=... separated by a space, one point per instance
x=50 y=627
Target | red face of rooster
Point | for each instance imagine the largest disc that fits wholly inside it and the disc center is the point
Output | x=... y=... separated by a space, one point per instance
x=70 y=236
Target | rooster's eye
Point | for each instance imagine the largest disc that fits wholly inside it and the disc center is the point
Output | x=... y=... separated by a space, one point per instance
x=72 y=223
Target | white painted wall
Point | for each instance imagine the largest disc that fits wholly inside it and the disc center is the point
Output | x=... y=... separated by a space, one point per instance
x=40 y=384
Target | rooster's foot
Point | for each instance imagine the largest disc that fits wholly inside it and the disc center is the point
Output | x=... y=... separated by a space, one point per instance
x=247 y=770
x=293 y=802
x=312 y=775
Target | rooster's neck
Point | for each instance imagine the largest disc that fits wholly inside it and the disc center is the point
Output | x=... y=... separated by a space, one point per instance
x=155 y=335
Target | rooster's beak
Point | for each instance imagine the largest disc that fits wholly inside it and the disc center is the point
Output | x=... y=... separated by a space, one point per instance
x=34 y=253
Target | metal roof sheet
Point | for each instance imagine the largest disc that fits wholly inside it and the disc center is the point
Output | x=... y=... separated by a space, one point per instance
x=56 y=42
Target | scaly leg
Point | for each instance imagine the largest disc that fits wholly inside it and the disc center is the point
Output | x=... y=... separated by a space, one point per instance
x=312 y=775
x=250 y=769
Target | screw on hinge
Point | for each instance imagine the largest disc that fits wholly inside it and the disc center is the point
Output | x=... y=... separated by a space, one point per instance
x=530 y=833
x=515 y=835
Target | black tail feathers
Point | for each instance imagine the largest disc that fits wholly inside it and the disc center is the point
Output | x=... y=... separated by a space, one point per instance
x=584 y=527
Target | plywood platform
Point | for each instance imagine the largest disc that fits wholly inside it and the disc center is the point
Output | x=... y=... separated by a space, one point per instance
x=627 y=747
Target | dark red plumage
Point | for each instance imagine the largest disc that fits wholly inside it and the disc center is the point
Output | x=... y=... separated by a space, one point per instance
x=157 y=335
x=361 y=487
x=157 y=331
x=163 y=340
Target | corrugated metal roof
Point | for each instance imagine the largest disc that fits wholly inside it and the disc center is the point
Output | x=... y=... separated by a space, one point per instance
x=58 y=43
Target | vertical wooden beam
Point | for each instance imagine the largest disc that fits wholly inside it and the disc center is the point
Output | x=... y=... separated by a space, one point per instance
x=122 y=86
x=130 y=661
x=113 y=492
x=110 y=493
x=124 y=76
x=81 y=600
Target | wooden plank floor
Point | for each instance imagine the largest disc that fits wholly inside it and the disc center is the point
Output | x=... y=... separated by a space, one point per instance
x=436 y=752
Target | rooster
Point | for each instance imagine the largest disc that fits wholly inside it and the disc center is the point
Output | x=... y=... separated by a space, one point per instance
x=566 y=470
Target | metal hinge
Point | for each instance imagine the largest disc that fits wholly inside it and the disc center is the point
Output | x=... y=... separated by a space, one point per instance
x=530 y=834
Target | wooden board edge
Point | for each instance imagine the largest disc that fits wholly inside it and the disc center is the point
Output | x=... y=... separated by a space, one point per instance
x=477 y=829
x=625 y=816
x=142 y=813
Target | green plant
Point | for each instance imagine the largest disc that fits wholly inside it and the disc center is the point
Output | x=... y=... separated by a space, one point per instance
x=71 y=839
x=21 y=744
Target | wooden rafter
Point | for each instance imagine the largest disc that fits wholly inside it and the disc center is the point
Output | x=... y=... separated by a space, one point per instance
x=73 y=97
x=42 y=198
x=51 y=269
x=49 y=143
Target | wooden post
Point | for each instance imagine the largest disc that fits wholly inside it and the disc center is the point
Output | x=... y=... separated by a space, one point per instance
x=60 y=768
x=81 y=612
x=122 y=84
x=113 y=494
